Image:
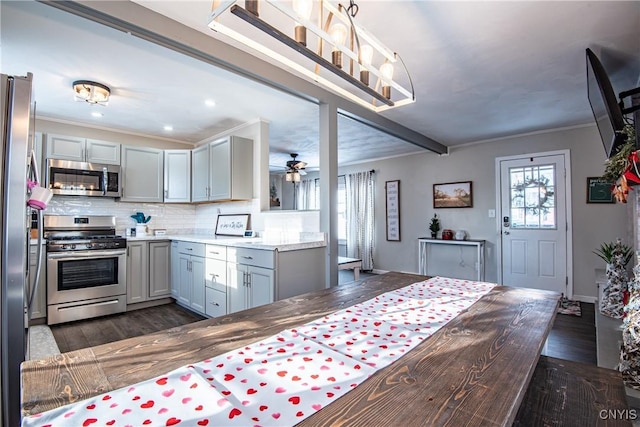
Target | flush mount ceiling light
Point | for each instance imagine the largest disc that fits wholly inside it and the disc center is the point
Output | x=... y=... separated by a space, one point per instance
x=91 y=92
x=334 y=30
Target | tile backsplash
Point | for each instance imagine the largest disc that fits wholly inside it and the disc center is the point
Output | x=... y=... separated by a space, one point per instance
x=186 y=218
x=175 y=218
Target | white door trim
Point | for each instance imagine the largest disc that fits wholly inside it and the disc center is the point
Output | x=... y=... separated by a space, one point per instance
x=568 y=193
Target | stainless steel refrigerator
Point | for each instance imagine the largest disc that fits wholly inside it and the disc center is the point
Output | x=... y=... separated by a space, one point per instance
x=16 y=123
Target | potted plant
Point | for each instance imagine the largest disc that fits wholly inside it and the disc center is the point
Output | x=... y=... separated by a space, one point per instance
x=434 y=226
x=141 y=223
x=606 y=252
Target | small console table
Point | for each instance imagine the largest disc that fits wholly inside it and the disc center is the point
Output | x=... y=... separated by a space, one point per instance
x=424 y=242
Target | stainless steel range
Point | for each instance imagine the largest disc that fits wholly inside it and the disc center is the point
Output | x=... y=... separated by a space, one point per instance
x=86 y=267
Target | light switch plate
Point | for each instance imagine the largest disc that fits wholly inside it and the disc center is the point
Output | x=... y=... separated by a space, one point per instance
x=492 y=213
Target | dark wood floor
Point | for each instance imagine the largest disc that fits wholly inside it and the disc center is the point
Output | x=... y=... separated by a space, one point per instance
x=572 y=338
x=88 y=333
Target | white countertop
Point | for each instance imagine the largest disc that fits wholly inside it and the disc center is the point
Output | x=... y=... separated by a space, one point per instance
x=282 y=245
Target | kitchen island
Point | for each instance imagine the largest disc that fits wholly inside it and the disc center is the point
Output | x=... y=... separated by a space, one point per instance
x=217 y=275
x=473 y=371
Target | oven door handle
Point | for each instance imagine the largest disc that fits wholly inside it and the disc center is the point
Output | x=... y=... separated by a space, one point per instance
x=85 y=254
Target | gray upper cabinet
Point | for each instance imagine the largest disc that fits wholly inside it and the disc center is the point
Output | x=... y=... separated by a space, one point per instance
x=177 y=176
x=82 y=149
x=142 y=174
x=223 y=170
x=200 y=174
x=231 y=169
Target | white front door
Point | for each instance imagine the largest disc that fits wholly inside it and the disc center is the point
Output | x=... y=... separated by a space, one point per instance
x=533 y=213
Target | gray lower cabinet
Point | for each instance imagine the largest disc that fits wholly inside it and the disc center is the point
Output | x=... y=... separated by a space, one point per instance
x=39 y=309
x=250 y=278
x=216 y=302
x=147 y=271
x=191 y=275
x=175 y=269
x=159 y=283
x=215 y=280
x=249 y=286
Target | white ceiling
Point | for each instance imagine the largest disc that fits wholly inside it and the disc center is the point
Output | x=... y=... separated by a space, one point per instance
x=482 y=70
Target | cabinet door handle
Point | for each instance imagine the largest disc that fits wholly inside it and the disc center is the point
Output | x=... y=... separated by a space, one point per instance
x=215 y=303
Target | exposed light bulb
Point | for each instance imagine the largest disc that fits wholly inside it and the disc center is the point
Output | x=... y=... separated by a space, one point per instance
x=366 y=55
x=302 y=8
x=338 y=34
x=386 y=70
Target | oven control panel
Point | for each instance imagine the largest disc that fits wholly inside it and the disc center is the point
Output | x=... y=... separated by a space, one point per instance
x=85 y=245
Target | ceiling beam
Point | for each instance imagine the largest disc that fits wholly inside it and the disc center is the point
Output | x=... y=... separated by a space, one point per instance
x=146 y=24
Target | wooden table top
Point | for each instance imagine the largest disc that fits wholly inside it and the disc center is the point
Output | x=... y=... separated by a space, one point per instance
x=473 y=371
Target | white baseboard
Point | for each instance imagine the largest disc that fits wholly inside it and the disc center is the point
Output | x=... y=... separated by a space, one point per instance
x=376 y=271
x=585 y=298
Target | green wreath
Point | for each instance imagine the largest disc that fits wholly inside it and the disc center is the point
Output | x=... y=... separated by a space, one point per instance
x=544 y=194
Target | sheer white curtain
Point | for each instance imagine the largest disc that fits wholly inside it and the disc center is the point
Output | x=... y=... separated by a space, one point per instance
x=360 y=217
x=306 y=195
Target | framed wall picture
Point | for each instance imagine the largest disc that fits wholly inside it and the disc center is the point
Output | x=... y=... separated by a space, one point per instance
x=453 y=195
x=232 y=224
x=599 y=190
x=392 y=194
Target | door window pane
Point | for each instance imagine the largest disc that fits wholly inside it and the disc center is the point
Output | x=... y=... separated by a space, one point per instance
x=532 y=204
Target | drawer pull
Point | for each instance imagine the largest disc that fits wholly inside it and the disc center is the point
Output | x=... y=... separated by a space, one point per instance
x=189 y=249
x=214 y=253
x=247 y=257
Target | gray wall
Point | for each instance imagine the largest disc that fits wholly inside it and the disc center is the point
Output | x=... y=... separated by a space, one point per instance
x=592 y=223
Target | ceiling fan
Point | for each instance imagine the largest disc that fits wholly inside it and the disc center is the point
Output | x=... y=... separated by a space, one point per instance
x=295 y=165
x=295 y=168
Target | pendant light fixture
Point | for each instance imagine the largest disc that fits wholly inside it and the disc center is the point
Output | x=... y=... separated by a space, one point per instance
x=91 y=92
x=299 y=24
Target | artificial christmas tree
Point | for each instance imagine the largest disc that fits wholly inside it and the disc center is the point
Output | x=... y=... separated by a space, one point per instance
x=630 y=352
x=612 y=302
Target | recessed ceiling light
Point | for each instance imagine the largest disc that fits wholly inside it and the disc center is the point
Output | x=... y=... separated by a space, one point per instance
x=96 y=114
x=210 y=103
x=168 y=128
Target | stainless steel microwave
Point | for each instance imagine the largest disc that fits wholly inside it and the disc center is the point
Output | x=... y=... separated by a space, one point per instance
x=69 y=178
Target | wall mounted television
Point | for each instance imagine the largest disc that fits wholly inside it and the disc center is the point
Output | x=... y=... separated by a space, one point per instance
x=604 y=104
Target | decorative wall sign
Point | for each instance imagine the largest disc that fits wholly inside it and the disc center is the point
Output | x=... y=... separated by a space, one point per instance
x=452 y=195
x=599 y=190
x=232 y=224
x=392 y=193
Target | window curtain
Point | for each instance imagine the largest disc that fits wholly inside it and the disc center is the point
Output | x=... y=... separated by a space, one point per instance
x=306 y=194
x=360 y=217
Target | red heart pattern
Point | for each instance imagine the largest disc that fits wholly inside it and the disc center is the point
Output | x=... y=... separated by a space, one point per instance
x=349 y=345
